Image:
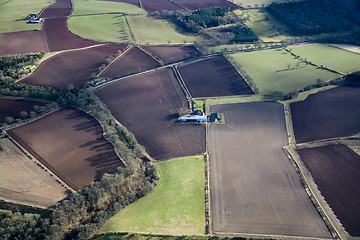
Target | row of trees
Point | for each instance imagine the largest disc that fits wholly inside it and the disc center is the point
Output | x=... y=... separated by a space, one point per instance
x=83 y=212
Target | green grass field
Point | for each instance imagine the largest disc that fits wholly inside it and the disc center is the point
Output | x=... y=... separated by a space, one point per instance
x=156 y=31
x=85 y=7
x=102 y=28
x=276 y=70
x=265 y=25
x=328 y=56
x=175 y=206
x=256 y=3
x=14 y=12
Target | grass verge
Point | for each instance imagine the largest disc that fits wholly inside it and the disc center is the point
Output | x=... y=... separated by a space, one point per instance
x=175 y=206
x=86 y=7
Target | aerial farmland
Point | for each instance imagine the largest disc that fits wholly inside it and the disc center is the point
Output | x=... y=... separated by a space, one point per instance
x=179 y=119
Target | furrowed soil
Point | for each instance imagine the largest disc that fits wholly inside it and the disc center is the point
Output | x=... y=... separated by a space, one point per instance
x=73 y=67
x=148 y=106
x=59 y=38
x=133 y=61
x=193 y=5
x=254 y=188
x=171 y=54
x=22 y=181
x=61 y=8
x=328 y=114
x=159 y=5
x=22 y=42
x=71 y=144
x=12 y=108
x=336 y=171
x=213 y=77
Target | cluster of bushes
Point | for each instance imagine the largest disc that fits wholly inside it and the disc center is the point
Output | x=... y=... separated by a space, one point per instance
x=12 y=66
x=83 y=212
x=314 y=16
x=242 y=34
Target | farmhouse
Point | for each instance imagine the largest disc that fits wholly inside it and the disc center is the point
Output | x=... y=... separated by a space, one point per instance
x=196 y=115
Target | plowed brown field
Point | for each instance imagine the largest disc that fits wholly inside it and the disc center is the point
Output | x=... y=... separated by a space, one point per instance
x=148 y=105
x=74 y=67
x=213 y=77
x=171 y=54
x=336 y=172
x=328 y=114
x=61 y=8
x=159 y=5
x=22 y=42
x=58 y=36
x=254 y=188
x=133 y=61
x=70 y=143
x=12 y=108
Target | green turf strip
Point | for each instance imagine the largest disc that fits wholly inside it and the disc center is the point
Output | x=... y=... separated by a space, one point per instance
x=175 y=206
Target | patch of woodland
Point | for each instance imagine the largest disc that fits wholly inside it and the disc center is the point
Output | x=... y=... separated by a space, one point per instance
x=212 y=22
x=315 y=16
x=85 y=211
x=12 y=66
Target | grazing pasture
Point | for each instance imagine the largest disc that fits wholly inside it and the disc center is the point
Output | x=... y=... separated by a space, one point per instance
x=257 y=3
x=159 y=5
x=175 y=206
x=59 y=38
x=22 y=181
x=133 y=2
x=133 y=61
x=86 y=7
x=265 y=25
x=193 y=5
x=171 y=54
x=148 y=106
x=14 y=12
x=213 y=77
x=254 y=187
x=73 y=67
x=328 y=114
x=101 y=28
x=156 y=31
x=12 y=108
x=22 y=42
x=276 y=70
x=71 y=144
x=328 y=56
x=336 y=172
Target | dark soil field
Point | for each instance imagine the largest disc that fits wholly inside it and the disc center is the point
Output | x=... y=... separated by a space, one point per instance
x=22 y=42
x=61 y=8
x=58 y=36
x=171 y=54
x=213 y=77
x=133 y=61
x=12 y=108
x=158 y=5
x=133 y=2
x=336 y=172
x=193 y=5
x=74 y=67
x=148 y=105
x=70 y=143
x=328 y=114
x=254 y=189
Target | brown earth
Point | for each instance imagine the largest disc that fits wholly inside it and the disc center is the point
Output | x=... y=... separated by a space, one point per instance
x=22 y=42
x=213 y=77
x=253 y=186
x=171 y=54
x=58 y=36
x=61 y=8
x=12 y=108
x=73 y=67
x=159 y=5
x=328 y=114
x=133 y=2
x=133 y=61
x=148 y=105
x=193 y=5
x=71 y=144
x=336 y=172
x=22 y=181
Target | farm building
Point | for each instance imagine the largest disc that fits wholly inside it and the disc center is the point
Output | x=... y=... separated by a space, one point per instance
x=197 y=115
